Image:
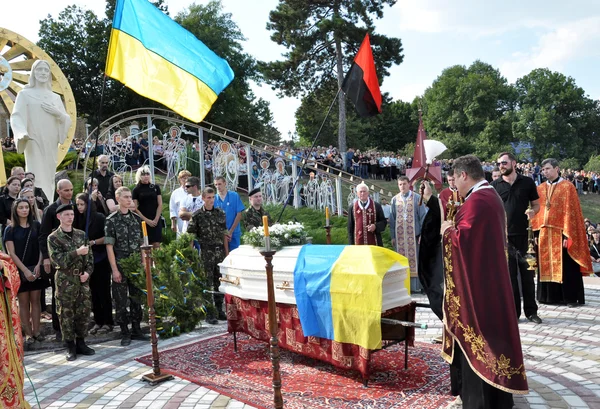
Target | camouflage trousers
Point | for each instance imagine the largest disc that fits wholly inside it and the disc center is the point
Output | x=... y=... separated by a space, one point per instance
x=73 y=305
x=211 y=257
x=127 y=299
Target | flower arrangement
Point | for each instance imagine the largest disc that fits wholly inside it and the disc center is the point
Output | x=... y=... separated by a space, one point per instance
x=282 y=235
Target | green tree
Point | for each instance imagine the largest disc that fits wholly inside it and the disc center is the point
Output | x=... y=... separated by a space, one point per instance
x=322 y=37
x=555 y=116
x=78 y=41
x=470 y=110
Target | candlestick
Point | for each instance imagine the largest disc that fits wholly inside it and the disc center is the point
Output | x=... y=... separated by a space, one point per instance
x=144 y=230
x=327 y=216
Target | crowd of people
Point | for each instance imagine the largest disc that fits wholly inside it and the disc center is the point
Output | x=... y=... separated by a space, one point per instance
x=75 y=245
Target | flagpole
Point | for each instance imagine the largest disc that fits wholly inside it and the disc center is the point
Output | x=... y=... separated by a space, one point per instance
x=95 y=146
x=291 y=191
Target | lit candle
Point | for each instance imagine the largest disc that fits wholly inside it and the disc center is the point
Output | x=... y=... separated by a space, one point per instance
x=266 y=225
x=327 y=216
x=144 y=230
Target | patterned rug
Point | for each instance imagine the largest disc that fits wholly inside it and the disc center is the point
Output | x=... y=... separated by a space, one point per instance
x=308 y=383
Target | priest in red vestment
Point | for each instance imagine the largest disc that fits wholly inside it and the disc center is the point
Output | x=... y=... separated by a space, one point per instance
x=449 y=195
x=366 y=220
x=564 y=254
x=11 y=339
x=481 y=335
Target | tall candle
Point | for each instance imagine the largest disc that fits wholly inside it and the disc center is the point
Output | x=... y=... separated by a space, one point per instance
x=144 y=230
x=266 y=225
x=327 y=216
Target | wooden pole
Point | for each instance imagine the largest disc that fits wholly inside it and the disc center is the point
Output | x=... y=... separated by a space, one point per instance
x=274 y=348
x=155 y=377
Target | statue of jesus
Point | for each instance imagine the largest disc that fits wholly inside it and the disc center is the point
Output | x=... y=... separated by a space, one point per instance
x=40 y=124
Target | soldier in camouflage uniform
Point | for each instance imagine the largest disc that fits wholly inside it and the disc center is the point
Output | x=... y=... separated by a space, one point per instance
x=123 y=237
x=74 y=263
x=209 y=226
x=253 y=215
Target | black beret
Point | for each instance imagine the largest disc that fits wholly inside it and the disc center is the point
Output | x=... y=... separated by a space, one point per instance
x=254 y=191
x=63 y=207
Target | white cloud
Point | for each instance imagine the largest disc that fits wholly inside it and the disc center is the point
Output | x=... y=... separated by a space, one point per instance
x=565 y=43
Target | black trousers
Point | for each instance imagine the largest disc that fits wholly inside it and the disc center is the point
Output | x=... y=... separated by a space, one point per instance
x=474 y=391
x=517 y=265
x=101 y=297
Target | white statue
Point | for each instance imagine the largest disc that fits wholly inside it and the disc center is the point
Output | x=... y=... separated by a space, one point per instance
x=40 y=123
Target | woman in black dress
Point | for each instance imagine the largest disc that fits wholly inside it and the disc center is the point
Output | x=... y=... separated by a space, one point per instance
x=148 y=202
x=595 y=251
x=115 y=182
x=100 y=280
x=21 y=239
x=13 y=187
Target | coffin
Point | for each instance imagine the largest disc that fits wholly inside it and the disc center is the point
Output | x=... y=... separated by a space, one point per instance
x=243 y=275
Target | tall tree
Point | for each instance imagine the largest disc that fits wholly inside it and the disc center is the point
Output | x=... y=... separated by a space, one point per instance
x=322 y=37
x=78 y=41
x=471 y=110
x=555 y=116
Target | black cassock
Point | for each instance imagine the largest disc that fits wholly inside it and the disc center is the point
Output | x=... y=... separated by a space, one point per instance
x=431 y=274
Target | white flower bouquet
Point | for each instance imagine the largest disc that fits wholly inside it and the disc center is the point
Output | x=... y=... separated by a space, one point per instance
x=282 y=235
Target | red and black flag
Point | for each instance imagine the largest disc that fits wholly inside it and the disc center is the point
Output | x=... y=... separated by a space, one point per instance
x=361 y=85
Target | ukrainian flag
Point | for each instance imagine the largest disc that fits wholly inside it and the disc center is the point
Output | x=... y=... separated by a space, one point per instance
x=338 y=291
x=159 y=59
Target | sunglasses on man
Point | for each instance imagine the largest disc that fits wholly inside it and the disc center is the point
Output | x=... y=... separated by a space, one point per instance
x=503 y=162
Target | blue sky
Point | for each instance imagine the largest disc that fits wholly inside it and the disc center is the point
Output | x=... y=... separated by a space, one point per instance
x=513 y=36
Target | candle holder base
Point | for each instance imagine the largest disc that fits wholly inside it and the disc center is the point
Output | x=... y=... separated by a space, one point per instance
x=154 y=379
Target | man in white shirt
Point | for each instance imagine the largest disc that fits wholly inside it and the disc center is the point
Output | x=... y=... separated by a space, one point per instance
x=192 y=202
x=177 y=197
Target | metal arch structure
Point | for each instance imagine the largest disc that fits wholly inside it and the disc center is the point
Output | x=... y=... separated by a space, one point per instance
x=17 y=55
x=274 y=179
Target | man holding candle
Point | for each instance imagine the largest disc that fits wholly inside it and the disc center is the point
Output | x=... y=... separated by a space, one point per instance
x=253 y=215
x=233 y=207
x=123 y=237
x=208 y=224
x=366 y=220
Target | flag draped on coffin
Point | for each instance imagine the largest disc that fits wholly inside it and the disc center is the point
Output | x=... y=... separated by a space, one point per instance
x=338 y=291
x=361 y=85
x=159 y=59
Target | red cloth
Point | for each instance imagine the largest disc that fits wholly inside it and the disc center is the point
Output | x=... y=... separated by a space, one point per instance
x=362 y=219
x=479 y=310
x=252 y=316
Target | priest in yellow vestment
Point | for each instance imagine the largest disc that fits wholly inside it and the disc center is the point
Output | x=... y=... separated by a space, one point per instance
x=563 y=253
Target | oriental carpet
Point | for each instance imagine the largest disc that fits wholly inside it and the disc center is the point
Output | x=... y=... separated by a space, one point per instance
x=308 y=383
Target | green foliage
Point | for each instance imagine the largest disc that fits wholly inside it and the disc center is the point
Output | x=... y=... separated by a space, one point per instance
x=470 y=110
x=78 y=41
x=570 y=163
x=593 y=164
x=322 y=37
x=555 y=116
x=178 y=285
x=12 y=159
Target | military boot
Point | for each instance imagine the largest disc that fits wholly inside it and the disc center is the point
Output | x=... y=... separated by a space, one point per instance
x=211 y=318
x=125 y=335
x=82 y=348
x=136 y=332
x=71 y=351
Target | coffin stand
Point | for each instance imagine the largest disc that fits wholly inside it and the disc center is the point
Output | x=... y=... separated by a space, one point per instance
x=243 y=280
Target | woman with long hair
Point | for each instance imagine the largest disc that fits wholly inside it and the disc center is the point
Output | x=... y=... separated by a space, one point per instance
x=100 y=280
x=13 y=187
x=114 y=183
x=21 y=239
x=595 y=251
x=29 y=194
x=148 y=203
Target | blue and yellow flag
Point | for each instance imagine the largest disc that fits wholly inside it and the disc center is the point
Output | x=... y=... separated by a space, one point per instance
x=159 y=59
x=338 y=291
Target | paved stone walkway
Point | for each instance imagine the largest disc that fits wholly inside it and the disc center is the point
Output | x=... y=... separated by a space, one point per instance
x=562 y=357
